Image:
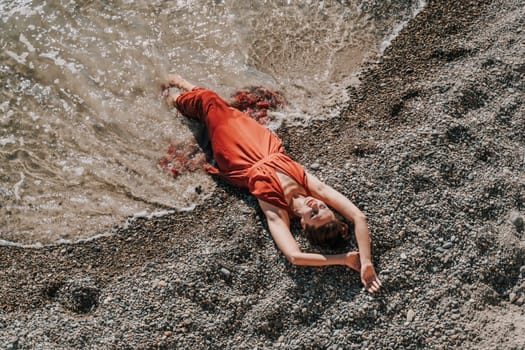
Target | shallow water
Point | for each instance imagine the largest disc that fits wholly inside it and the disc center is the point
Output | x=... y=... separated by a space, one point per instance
x=82 y=127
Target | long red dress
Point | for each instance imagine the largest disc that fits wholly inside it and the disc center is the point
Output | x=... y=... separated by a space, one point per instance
x=246 y=153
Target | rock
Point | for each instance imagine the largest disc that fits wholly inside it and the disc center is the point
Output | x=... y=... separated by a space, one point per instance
x=410 y=315
x=226 y=273
x=513 y=297
x=517 y=220
x=162 y=284
x=315 y=166
x=448 y=245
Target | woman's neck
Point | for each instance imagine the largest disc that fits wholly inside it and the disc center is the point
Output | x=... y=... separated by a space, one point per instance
x=293 y=192
x=296 y=202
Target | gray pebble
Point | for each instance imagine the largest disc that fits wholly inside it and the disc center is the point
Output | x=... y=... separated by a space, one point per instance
x=448 y=245
x=517 y=220
x=410 y=315
x=226 y=273
x=513 y=297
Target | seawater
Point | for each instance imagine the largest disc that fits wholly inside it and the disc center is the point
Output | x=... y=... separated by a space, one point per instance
x=82 y=124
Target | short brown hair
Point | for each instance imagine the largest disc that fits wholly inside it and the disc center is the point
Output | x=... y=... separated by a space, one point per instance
x=333 y=234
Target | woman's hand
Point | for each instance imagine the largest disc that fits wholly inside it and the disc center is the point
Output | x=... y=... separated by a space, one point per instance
x=353 y=261
x=369 y=278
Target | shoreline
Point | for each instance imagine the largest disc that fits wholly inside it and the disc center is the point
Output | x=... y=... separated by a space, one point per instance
x=428 y=148
x=152 y=212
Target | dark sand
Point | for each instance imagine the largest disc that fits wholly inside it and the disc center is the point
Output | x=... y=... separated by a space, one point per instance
x=431 y=148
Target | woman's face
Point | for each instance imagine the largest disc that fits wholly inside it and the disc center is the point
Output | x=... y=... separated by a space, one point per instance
x=314 y=212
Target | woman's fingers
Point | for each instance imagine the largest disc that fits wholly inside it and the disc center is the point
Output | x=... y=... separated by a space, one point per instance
x=375 y=286
x=370 y=279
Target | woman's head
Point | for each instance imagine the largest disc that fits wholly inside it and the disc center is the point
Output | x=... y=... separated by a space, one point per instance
x=333 y=234
x=319 y=223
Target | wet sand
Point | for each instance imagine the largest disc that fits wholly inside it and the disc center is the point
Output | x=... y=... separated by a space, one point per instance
x=431 y=148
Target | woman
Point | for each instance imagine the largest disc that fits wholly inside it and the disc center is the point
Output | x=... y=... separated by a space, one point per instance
x=248 y=155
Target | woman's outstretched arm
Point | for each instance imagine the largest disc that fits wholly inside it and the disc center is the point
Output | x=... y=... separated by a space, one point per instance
x=279 y=225
x=346 y=208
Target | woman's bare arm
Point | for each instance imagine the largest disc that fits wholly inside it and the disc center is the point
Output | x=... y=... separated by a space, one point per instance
x=346 y=208
x=279 y=225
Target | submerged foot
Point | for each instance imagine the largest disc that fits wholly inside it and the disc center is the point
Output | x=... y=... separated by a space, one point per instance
x=170 y=99
x=175 y=80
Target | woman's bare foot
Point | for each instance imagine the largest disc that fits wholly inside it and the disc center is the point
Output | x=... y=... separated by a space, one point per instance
x=175 y=80
x=170 y=99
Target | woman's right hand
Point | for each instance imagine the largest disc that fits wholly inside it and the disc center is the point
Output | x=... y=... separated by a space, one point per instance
x=353 y=261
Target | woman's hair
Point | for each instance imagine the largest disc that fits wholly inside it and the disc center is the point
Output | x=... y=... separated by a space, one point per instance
x=333 y=234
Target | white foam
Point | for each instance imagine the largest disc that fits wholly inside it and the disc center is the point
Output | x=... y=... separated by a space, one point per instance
x=7 y=140
x=38 y=245
x=16 y=188
x=19 y=58
x=400 y=26
x=26 y=42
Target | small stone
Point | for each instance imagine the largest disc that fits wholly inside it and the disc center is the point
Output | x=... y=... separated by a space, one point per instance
x=246 y=210
x=403 y=256
x=168 y=334
x=315 y=166
x=410 y=315
x=448 y=245
x=226 y=273
x=513 y=297
x=520 y=301
x=517 y=220
x=13 y=345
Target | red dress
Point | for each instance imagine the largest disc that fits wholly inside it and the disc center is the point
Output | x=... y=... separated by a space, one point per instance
x=246 y=153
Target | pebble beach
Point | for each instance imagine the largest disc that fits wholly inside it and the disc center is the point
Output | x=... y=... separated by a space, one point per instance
x=431 y=147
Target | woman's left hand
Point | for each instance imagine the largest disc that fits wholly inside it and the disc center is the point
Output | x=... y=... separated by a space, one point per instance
x=369 y=278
